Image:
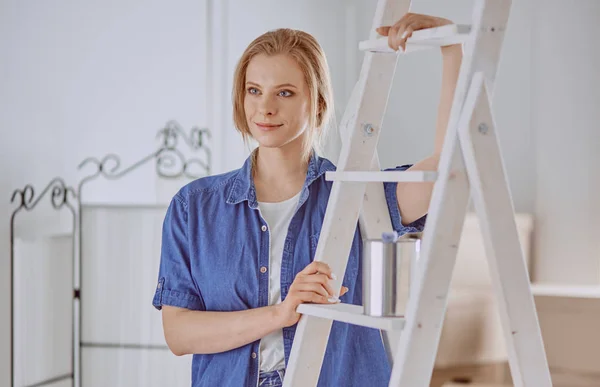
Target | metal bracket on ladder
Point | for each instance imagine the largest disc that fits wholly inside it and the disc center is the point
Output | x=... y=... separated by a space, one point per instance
x=471 y=165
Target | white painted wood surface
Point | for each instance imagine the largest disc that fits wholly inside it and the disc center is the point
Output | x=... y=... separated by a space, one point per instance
x=425 y=311
x=417 y=347
x=382 y=176
x=120 y=261
x=423 y=39
x=352 y=314
x=374 y=218
x=419 y=341
x=493 y=204
x=43 y=308
x=567 y=291
x=346 y=198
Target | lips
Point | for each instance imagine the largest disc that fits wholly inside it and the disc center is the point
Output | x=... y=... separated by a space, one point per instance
x=267 y=126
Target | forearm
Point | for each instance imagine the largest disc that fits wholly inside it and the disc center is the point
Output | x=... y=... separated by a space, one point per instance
x=196 y=332
x=414 y=198
x=451 y=61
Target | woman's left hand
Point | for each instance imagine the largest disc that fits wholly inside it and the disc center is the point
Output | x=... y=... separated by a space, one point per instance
x=409 y=23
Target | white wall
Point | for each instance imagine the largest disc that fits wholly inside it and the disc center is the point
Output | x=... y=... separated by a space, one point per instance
x=546 y=108
x=86 y=79
x=82 y=80
x=565 y=110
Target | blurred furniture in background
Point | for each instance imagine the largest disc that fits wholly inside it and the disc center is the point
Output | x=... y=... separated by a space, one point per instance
x=472 y=342
x=472 y=350
x=472 y=333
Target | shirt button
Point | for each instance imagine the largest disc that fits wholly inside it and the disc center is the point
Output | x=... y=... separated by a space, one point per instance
x=254 y=355
x=264 y=228
x=263 y=269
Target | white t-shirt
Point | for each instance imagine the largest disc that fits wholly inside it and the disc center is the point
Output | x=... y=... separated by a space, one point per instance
x=278 y=217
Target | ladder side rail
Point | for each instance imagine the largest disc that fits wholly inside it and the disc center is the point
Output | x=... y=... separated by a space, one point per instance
x=357 y=153
x=342 y=214
x=426 y=309
x=374 y=217
x=312 y=334
x=508 y=270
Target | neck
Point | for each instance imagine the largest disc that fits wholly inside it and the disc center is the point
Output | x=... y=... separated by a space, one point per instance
x=273 y=165
x=279 y=173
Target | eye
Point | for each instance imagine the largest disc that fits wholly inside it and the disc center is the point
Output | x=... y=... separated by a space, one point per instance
x=252 y=90
x=285 y=93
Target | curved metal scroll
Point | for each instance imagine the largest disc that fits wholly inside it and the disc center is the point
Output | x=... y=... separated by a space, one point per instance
x=171 y=163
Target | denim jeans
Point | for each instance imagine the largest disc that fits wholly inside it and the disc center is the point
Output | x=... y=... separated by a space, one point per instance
x=271 y=379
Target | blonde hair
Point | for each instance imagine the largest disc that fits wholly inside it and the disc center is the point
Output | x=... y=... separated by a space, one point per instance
x=309 y=55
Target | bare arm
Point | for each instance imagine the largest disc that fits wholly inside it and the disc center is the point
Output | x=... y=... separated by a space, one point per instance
x=196 y=332
x=414 y=198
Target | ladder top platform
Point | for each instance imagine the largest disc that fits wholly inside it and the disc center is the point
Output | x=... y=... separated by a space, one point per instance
x=383 y=176
x=422 y=39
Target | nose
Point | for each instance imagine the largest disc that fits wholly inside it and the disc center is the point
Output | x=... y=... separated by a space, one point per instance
x=267 y=106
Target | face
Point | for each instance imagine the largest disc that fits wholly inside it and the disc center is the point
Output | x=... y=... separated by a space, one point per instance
x=276 y=101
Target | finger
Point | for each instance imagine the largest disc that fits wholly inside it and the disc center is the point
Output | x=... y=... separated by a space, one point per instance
x=312 y=287
x=400 y=37
x=384 y=31
x=343 y=291
x=393 y=32
x=407 y=33
x=397 y=30
x=313 y=297
x=321 y=279
x=317 y=267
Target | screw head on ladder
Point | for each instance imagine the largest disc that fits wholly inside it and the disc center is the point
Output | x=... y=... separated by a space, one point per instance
x=369 y=129
x=483 y=128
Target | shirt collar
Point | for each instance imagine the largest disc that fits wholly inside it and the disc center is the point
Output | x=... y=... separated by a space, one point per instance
x=243 y=188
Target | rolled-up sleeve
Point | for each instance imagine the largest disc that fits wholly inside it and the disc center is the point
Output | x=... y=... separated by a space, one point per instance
x=392 y=203
x=176 y=286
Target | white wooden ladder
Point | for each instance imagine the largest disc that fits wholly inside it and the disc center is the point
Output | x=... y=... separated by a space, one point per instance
x=471 y=166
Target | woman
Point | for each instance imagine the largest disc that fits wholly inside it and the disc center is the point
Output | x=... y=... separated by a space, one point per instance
x=238 y=248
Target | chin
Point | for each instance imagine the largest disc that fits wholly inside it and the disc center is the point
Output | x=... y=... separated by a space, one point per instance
x=269 y=140
x=275 y=139
x=271 y=143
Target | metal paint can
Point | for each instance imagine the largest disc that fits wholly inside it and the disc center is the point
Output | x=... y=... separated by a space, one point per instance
x=388 y=264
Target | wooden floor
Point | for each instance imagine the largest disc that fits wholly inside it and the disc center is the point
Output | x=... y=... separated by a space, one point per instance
x=498 y=375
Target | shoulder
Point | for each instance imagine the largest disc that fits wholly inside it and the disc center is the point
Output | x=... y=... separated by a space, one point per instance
x=206 y=186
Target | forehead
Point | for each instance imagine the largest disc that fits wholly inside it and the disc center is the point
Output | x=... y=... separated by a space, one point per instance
x=274 y=70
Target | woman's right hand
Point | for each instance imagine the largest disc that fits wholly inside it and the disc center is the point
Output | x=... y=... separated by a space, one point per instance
x=311 y=285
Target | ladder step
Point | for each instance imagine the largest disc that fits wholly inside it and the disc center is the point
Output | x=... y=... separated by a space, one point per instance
x=382 y=176
x=422 y=39
x=351 y=314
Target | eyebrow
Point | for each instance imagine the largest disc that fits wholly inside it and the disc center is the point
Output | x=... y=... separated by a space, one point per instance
x=277 y=87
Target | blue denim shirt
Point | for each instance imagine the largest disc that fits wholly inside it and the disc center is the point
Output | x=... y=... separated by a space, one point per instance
x=213 y=247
